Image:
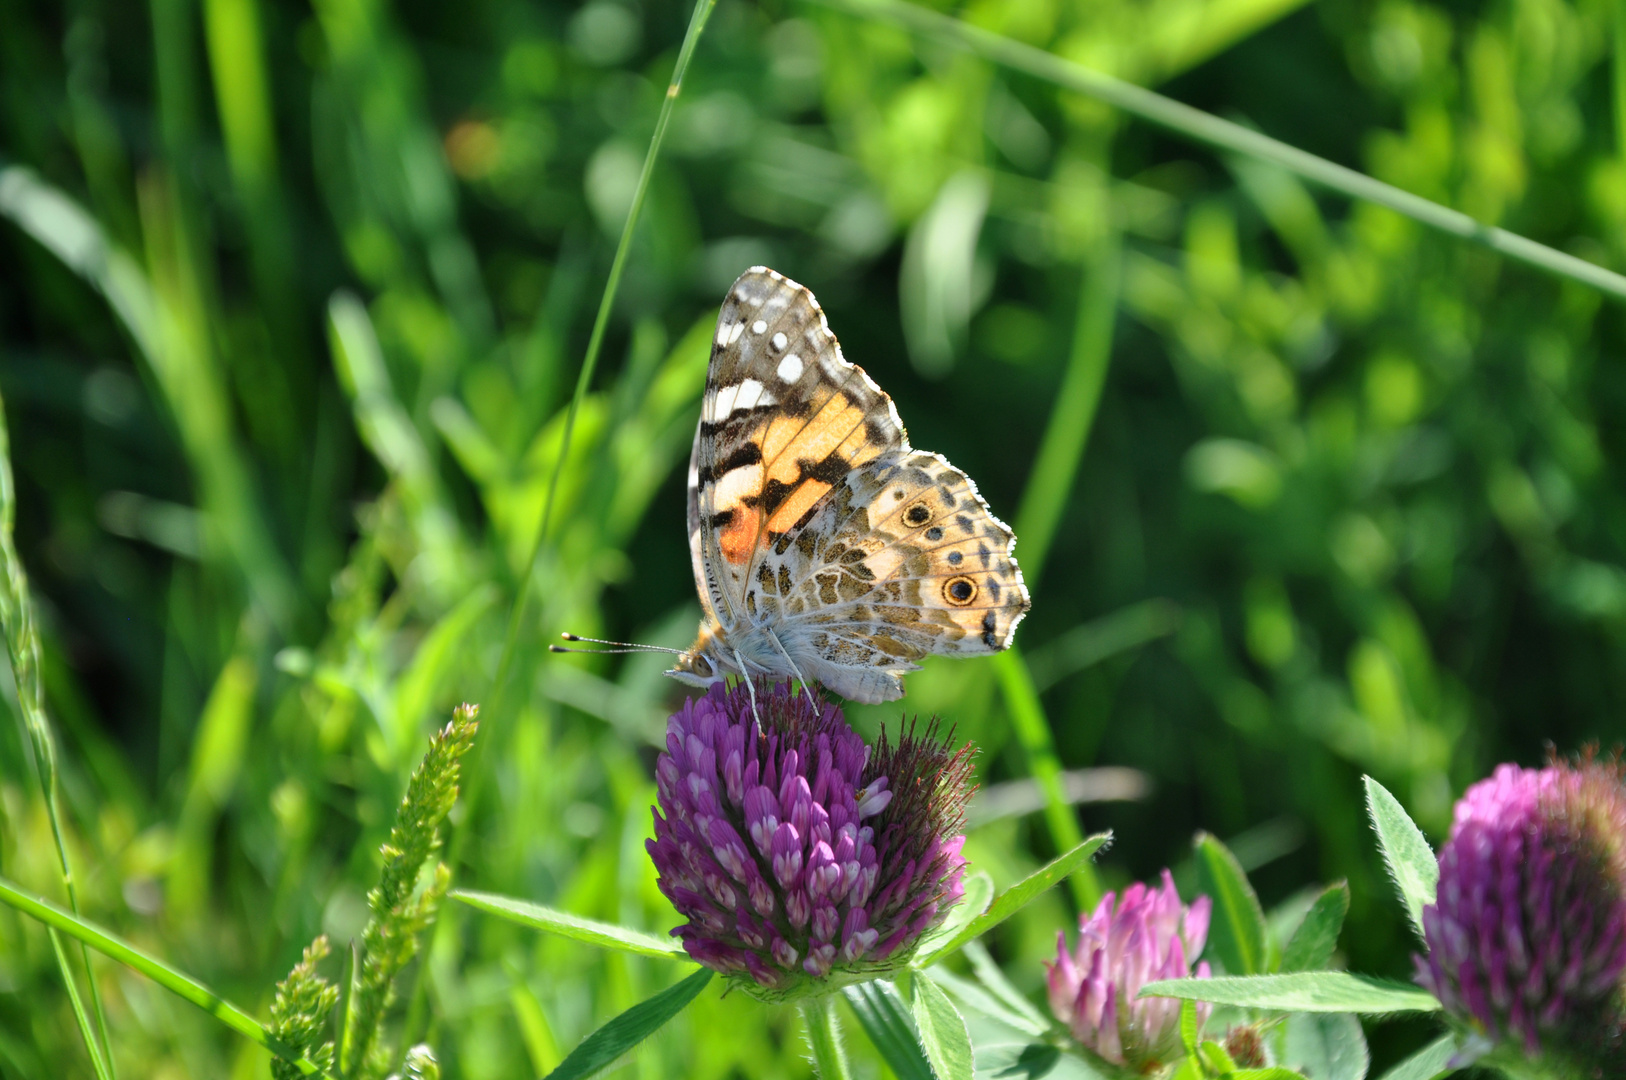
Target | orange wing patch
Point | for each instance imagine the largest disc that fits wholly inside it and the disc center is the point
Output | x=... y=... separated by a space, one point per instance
x=741 y=535
x=790 y=441
x=801 y=499
x=802 y=459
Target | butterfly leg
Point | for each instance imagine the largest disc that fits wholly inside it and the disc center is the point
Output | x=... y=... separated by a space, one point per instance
x=750 y=687
x=773 y=637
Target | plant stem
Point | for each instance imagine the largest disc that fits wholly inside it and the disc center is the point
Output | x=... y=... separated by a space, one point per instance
x=23 y=645
x=1201 y=127
x=521 y=619
x=824 y=1037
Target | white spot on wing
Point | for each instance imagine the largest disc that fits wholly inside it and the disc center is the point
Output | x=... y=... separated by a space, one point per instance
x=749 y=395
x=758 y=327
x=779 y=340
x=734 y=332
x=790 y=368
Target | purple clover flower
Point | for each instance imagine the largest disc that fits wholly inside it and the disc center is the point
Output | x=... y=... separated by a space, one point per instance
x=1527 y=934
x=1150 y=936
x=798 y=857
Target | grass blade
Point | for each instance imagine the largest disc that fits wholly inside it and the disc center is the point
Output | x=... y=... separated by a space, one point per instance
x=1054 y=470
x=603 y=1047
x=606 y=935
x=1410 y=860
x=1305 y=991
x=176 y=982
x=1033 y=732
x=1207 y=130
x=1018 y=896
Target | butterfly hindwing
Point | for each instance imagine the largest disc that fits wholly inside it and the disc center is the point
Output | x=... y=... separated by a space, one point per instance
x=905 y=560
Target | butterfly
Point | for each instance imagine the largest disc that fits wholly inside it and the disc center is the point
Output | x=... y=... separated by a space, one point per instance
x=825 y=547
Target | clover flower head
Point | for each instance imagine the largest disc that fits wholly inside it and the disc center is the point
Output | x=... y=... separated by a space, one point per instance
x=801 y=860
x=1527 y=934
x=1122 y=946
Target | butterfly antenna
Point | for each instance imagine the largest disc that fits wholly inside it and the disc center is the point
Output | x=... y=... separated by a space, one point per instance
x=618 y=646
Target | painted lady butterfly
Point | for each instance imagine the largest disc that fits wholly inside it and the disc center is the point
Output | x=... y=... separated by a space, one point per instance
x=824 y=547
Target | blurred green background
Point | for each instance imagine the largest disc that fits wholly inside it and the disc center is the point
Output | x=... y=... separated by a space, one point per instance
x=292 y=300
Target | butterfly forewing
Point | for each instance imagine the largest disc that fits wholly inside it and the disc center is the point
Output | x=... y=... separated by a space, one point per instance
x=784 y=418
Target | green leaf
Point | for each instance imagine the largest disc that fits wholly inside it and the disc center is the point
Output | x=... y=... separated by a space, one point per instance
x=1327 y=1046
x=176 y=982
x=1018 y=896
x=1275 y=1072
x=940 y=1027
x=884 y=1018
x=979 y=893
x=603 y=1047
x=537 y=917
x=1432 y=1061
x=1411 y=861
x=1307 y=991
x=1236 y=933
x=1312 y=944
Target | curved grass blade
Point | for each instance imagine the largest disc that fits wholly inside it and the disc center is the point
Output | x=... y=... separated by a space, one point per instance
x=176 y=982
x=1200 y=127
x=1410 y=860
x=603 y=1047
x=591 y=931
x=1305 y=991
x=1021 y=894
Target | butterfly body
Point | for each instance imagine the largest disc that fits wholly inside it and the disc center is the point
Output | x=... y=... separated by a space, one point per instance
x=824 y=546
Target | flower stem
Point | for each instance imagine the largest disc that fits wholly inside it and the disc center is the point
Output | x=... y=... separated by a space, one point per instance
x=824 y=1037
